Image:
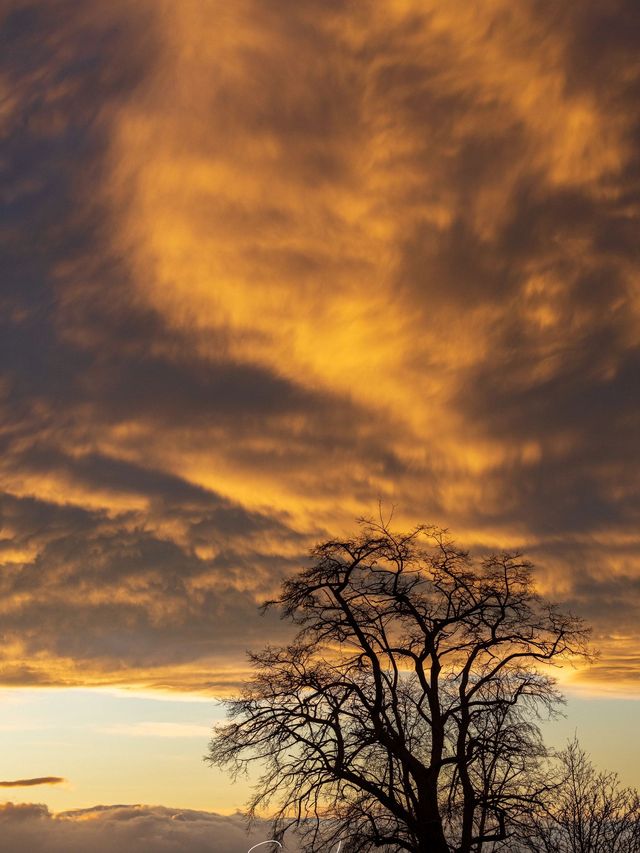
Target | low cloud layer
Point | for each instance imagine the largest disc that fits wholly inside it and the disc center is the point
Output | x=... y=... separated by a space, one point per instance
x=32 y=783
x=31 y=828
x=269 y=264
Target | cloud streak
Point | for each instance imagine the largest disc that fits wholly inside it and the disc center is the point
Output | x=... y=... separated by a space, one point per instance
x=31 y=783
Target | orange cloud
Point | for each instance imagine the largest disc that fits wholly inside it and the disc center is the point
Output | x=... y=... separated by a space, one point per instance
x=293 y=260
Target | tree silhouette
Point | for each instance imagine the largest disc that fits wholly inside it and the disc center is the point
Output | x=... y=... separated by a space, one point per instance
x=403 y=715
x=589 y=812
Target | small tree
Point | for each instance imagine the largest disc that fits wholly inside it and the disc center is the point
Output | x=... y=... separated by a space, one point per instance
x=589 y=812
x=403 y=713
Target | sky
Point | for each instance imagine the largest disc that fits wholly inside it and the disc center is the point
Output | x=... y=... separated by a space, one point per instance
x=265 y=265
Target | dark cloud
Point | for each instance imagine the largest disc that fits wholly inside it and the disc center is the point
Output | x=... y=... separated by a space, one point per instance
x=116 y=599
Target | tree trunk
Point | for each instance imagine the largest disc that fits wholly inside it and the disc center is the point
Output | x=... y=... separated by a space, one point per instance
x=431 y=838
x=433 y=842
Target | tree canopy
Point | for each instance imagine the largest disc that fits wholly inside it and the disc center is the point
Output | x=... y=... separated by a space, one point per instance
x=404 y=712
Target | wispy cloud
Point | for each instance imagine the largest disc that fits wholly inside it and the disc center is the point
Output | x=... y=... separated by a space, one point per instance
x=157 y=730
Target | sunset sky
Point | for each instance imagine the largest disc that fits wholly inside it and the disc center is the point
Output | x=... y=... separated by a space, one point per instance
x=264 y=265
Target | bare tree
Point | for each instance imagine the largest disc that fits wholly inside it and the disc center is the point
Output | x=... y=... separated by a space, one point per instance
x=589 y=812
x=403 y=715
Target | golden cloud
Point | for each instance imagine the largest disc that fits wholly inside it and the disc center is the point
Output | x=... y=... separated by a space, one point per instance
x=293 y=259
